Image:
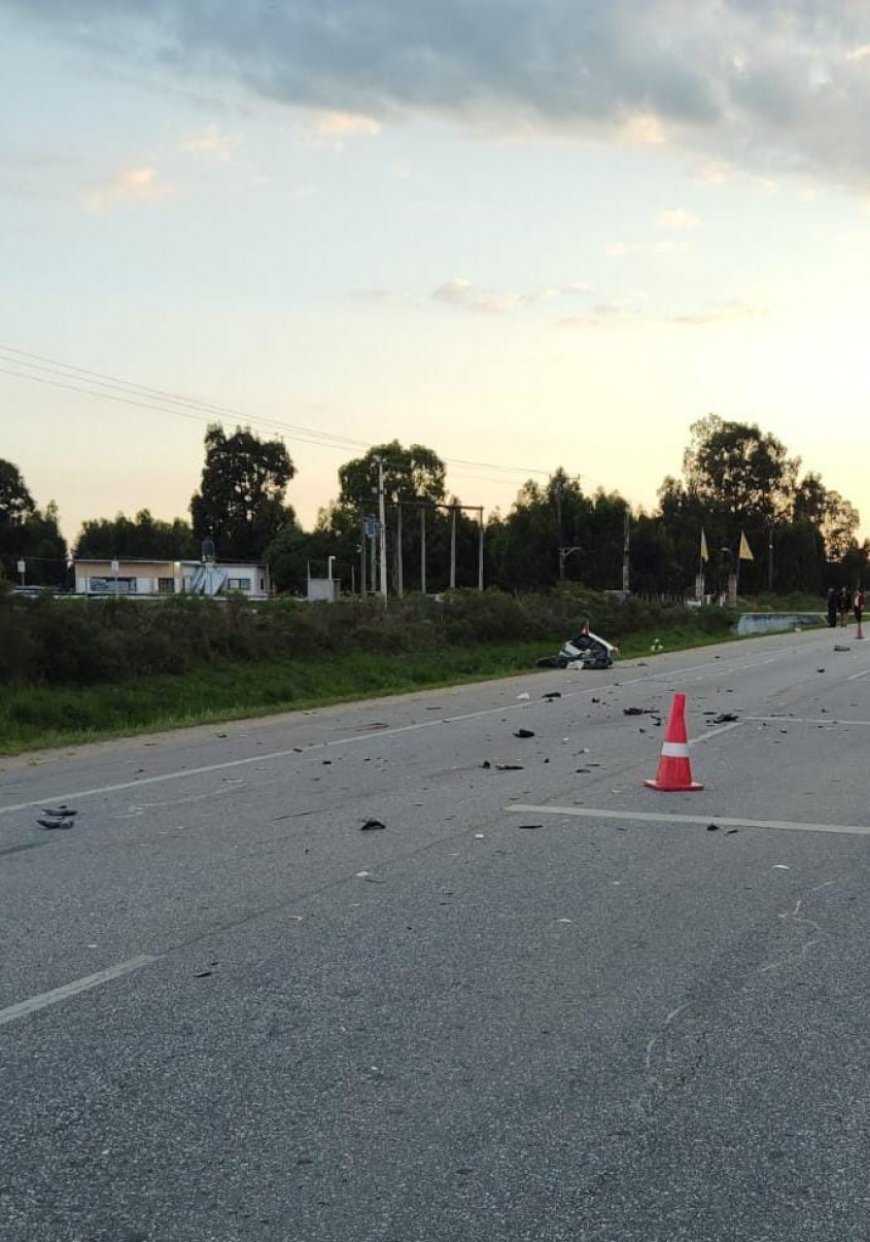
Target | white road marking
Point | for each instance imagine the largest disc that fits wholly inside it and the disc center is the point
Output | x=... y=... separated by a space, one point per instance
x=705 y=737
x=856 y=676
x=808 y=720
x=667 y=817
x=23 y=1008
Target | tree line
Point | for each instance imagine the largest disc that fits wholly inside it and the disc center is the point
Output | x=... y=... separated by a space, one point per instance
x=735 y=480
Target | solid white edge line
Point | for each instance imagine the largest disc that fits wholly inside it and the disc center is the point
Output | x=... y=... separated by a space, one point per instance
x=53 y=997
x=809 y=720
x=667 y=817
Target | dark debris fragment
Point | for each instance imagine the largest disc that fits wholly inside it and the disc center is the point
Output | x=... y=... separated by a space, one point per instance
x=524 y=733
x=371 y=825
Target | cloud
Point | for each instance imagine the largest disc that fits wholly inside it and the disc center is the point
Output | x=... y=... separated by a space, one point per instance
x=461 y=293
x=129 y=186
x=613 y=312
x=721 y=312
x=213 y=144
x=345 y=124
x=678 y=220
x=771 y=86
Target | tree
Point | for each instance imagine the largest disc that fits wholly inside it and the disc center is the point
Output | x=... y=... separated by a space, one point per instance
x=142 y=537
x=415 y=473
x=413 y=476
x=240 y=503
x=16 y=502
x=738 y=471
x=28 y=533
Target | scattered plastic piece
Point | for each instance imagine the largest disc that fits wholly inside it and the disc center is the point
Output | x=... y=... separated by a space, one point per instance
x=725 y=718
x=371 y=825
x=486 y=764
x=731 y=832
x=712 y=827
x=529 y=827
x=524 y=696
x=478 y=836
x=780 y=867
x=552 y=694
x=202 y=974
x=508 y=767
x=524 y=733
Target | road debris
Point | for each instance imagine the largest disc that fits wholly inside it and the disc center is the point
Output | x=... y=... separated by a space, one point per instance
x=639 y=711
x=712 y=827
x=371 y=825
x=60 y=817
x=529 y=827
x=781 y=867
x=839 y=647
x=508 y=767
x=552 y=694
x=524 y=733
x=486 y=764
x=524 y=696
x=724 y=718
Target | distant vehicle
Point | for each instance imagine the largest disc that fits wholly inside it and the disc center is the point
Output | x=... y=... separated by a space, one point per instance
x=587 y=650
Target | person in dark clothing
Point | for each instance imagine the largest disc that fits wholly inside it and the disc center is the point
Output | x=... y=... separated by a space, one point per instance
x=832 y=607
x=858 y=604
x=843 y=602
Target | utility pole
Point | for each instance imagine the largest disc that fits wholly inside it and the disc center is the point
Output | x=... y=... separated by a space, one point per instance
x=625 y=552
x=362 y=555
x=382 y=514
x=423 y=550
x=400 y=584
x=770 y=558
x=452 y=547
x=558 y=497
x=480 y=554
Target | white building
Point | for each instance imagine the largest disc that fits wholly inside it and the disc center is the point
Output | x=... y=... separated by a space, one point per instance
x=149 y=578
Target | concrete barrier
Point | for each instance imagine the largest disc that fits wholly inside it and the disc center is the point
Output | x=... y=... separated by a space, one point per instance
x=774 y=622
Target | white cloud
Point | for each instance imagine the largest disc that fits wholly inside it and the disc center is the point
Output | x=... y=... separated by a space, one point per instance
x=612 y=312
x=720 y=312
x=213 y=144
x=462 y=293
x=467 y=296
x=678 y=220
x=644 y=129
x=858 y=53
x=129 y=186
x=344 y=125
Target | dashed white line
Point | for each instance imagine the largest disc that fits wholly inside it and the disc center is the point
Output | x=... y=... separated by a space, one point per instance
x=44 y=999
x=668 y=817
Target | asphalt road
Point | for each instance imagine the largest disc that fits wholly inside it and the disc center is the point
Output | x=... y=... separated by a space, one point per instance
x=537 y=1005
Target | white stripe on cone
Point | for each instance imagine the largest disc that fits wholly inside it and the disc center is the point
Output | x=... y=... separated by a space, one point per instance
x=675 y=750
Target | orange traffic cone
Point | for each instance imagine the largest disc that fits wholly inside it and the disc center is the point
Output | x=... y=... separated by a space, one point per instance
x=674 y=773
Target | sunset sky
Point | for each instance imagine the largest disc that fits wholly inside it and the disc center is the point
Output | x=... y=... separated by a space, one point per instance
x=524 y=234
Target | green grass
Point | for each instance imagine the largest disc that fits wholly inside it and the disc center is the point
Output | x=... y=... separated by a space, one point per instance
x=36 y=718
x=55 y=716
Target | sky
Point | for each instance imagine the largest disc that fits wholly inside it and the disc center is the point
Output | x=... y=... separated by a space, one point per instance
x=525 y=235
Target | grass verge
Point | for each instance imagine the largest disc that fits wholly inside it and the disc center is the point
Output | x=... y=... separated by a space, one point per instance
x=37 y=718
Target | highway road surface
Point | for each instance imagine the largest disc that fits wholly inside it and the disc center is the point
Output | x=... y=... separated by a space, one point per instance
x=543 y=1002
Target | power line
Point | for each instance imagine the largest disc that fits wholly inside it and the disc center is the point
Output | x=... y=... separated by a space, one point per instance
x=159 y=400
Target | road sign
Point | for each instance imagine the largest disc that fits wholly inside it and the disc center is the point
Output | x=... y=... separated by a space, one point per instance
x=372 y=528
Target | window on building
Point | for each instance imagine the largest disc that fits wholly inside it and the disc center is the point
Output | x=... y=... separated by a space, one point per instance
x=238 y=584
x=165 y=586
x=112 y=586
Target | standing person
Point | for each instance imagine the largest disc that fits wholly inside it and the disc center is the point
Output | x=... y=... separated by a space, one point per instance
x=858 y=605
x=843 y=604
x=832 y=607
